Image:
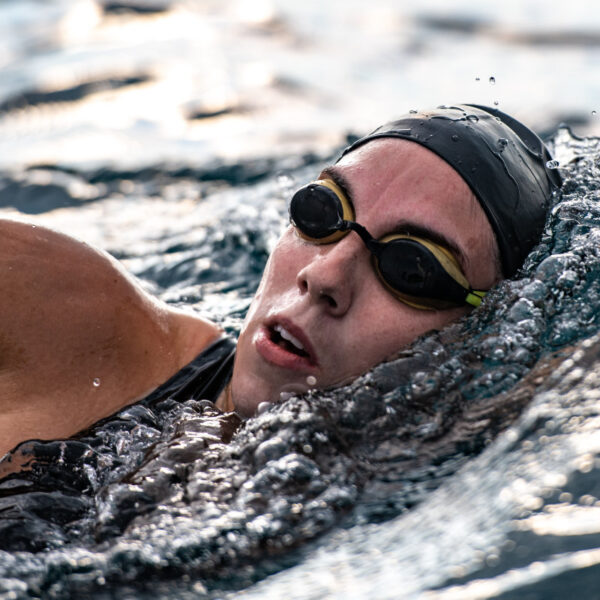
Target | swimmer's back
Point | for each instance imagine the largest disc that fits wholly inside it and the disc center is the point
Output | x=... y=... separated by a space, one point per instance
x=79 y=338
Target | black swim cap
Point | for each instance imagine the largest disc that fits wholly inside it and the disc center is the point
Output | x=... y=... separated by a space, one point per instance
x=502 y=161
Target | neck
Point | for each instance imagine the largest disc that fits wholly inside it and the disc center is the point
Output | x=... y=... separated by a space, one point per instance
x=225 y=400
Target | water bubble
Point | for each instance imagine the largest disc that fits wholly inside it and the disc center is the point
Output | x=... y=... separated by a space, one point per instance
x=270 y=449
x=496 y=102
x=502 y=143
x=492 y=80
x=472 y=118
x=567 y=280
x=552 y=164
x=199 y=588
x=311 y=380
x=413 y=111
x=292 y=389
x=477 y=78
x=264 y=406
x=96 y=382
x=593 y=113
x=455 y=138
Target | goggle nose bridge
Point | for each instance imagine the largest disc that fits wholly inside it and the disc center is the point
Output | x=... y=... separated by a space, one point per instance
x=370 y=242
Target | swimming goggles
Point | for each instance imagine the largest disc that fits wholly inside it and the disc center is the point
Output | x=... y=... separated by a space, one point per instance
x=415 y=270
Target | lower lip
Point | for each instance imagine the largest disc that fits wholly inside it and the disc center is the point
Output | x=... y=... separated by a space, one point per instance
x=278 y=356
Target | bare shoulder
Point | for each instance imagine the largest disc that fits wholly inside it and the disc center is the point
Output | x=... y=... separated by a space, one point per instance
x=78 y=332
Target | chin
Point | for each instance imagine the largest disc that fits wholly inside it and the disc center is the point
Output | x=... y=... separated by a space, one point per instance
x=246 y=398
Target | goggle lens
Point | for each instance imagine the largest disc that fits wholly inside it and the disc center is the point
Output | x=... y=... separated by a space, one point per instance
x=404 y=266
x=320 y=212
x=411 y=270
x=316 y=211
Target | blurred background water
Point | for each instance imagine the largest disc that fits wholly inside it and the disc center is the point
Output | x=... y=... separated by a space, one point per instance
x=94 y=82
x=171 y=133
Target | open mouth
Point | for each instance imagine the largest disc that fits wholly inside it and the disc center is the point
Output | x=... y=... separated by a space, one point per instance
x=284 y=339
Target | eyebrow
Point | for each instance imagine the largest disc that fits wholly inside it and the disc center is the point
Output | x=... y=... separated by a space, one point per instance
x=402 y=227
x=334 y=174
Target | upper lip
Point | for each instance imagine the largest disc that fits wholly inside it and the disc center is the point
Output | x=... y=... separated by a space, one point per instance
x=296 y=332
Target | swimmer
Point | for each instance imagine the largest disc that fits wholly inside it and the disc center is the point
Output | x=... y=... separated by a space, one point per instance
x=404 y=234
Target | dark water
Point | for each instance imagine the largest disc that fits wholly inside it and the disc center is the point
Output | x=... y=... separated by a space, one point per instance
x=467 y=468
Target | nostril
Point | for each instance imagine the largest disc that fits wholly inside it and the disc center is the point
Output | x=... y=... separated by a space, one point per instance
x=329 y=299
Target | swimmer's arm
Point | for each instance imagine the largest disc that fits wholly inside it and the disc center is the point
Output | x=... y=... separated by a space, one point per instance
x=79 y=337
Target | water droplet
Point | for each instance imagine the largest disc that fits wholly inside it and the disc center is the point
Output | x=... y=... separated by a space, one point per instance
x=311 y=380
x=96 y=382
x=502 y=143
x=413 y=111
x=492 y=80
x=593 y=112
x=455 y=138
x=263 y=406
x=496 y=102
x=552 y=164
x=283 y=396
x=307 y=449
x=477 y=78
x=472 y=118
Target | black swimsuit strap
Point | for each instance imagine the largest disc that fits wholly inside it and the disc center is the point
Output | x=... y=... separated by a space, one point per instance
x=203 y=378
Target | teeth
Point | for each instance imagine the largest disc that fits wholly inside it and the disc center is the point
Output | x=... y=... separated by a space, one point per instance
x=286 y=335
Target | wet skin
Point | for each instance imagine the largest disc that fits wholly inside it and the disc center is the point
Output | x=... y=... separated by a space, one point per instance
x=79 y=338
x=329 y=298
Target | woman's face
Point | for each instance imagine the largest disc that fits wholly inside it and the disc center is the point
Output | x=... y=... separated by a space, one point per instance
x=321 y=316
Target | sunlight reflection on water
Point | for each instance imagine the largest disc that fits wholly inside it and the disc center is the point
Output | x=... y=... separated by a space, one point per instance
x=235 y=79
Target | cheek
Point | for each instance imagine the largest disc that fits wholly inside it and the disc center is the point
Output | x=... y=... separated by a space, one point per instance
x=394 y=326
x=279 y=275
x=377 y=333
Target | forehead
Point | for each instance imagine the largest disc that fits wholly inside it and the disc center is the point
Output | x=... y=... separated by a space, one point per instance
x=389 y=173
x=395 y=185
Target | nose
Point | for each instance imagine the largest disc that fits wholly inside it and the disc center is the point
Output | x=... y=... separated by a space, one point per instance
x=330 y=278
